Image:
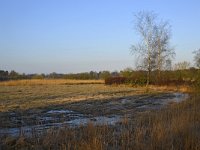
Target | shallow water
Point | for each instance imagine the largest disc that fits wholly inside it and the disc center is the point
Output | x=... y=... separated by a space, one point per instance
x=68 y=118
x=59 y=111
x=101 y=120
x=28 y=130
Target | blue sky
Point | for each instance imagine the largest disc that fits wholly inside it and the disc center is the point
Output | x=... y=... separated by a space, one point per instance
x=43 y=36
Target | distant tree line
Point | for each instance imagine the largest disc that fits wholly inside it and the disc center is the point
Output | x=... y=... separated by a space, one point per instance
x=92 y=75
x=182 y=74
x=12 y=75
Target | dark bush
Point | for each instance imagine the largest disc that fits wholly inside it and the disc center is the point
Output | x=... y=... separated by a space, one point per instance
x=115 y=80
x=124 y=80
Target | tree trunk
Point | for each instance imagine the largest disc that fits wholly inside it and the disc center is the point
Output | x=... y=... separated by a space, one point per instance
x=149 y=67
x=148 y=77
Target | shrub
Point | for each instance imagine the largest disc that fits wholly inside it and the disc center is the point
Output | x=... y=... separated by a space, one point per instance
x=115 y=80
x=125 y=80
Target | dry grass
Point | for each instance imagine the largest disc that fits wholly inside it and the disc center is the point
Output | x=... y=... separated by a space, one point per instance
x=180 y=88
x=174 y=127
x=48 y=82
x=20 y=97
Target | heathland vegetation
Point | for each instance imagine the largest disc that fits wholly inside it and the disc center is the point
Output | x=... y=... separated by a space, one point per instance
x=136 y=118
x=156 y=106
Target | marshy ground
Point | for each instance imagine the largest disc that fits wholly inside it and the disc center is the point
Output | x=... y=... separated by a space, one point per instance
x=27 y=106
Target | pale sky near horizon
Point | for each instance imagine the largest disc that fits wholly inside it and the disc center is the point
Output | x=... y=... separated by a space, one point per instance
x=64 y=36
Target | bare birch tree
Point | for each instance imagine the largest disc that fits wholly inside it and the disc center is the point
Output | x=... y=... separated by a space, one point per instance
x=153 y=49
x=145 y=27
x=163 y=52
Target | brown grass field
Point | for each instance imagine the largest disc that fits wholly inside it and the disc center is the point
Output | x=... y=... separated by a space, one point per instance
x=176 y=126
x=48 y=82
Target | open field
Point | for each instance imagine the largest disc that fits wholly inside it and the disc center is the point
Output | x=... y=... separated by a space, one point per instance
x=32 y=82
x=45 y=110
x=23 y=97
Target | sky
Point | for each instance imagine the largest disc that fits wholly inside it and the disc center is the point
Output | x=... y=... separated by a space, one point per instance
x=70 y=36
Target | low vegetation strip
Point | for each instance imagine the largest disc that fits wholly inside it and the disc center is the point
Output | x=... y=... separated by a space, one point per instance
x=48 y=82
x=141 y=81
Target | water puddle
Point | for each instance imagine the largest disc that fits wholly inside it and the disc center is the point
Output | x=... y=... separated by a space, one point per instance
x=59 y=111
x=163 y=100
x=179 y=97
x=59 y=119
x=101 y=120
x=41 y=122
